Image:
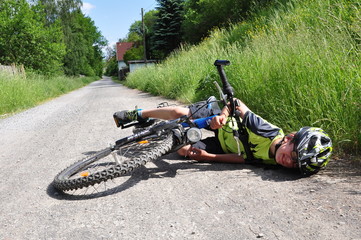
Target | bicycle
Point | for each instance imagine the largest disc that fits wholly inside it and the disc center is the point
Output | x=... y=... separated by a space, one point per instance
x=149 y=141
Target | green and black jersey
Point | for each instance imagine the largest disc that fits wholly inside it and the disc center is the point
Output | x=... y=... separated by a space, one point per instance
x=261 y=135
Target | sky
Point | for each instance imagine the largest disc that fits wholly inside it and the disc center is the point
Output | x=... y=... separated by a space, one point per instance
x=114 y=17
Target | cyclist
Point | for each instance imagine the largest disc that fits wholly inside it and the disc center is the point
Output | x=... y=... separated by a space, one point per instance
x=309 y=149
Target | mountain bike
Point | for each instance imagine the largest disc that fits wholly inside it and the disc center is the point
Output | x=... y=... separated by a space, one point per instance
x=149 y=141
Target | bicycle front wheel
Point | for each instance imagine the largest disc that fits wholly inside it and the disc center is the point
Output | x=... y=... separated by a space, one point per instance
x=108 y=164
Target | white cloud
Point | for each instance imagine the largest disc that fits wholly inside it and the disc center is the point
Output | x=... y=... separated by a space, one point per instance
x=87 y=7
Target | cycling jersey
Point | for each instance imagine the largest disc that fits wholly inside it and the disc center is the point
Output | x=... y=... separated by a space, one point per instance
x=261 y=136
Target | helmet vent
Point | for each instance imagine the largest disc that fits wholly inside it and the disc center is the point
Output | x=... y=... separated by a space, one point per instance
x=325 y=140
x=311 y=143
x=323 y=153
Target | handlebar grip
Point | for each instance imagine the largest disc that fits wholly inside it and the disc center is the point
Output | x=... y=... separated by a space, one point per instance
x=222 y=63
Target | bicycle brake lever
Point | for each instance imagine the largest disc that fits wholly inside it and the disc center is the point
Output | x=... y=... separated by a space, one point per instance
x=223 y=96
x=187 y=120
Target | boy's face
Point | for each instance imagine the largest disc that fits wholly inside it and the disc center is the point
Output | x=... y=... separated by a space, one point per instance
x=285 y=155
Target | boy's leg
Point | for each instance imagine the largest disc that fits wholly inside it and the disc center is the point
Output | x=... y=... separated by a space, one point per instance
x=165 y=113
x=197 y=110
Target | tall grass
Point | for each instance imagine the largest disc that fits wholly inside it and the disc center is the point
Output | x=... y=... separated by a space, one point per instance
x=20 y=92
x=295 y=64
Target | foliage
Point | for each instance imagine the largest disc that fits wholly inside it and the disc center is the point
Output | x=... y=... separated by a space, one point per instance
x=150 y=19
x=202 y=16
x=20 y=92
x=111 y=63
x=135 y=35
x=167 y=28
x=84 y=43
x=295 y=63
x=26 y=39
x=136 y=28
x=177 y=21
x=134 y=54
x=50 y=37
x=111 y=67
x=59 y=9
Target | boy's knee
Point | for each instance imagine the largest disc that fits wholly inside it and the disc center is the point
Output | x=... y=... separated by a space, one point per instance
x=179 y=112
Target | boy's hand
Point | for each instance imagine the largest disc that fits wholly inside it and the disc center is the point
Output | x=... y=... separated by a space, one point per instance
x=196 y=153
x=218 y=121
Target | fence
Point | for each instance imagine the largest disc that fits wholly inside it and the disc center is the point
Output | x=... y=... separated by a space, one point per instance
x=13 y=69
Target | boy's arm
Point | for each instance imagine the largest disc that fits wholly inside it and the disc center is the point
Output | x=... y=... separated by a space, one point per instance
x=202 y=155
x=218 y=121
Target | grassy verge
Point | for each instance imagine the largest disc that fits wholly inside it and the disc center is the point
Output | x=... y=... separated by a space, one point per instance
x=295 y=64
x=19 y=92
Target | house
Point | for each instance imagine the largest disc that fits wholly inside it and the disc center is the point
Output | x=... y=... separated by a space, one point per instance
x=123 y=69
x=122 y=47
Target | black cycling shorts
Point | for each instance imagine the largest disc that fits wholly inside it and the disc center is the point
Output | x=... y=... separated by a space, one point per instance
x=204 y=109
x=210 y=145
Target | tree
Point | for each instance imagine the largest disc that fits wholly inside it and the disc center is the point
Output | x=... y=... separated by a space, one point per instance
x=134 y=54
x=201 y=16
x=26 y=39
x=150 y=18
x=82 y=39
x=111 y=67
x=84 y=43
x=167 y=28
x=56 y=9
x=135 y=35
x=111 y=63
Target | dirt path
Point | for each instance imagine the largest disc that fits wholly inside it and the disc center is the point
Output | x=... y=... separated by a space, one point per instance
x=168 y=199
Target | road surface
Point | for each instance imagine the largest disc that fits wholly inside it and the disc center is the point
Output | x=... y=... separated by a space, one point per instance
x=171 y=198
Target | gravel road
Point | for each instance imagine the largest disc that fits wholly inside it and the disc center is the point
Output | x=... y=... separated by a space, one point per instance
x=168 y=199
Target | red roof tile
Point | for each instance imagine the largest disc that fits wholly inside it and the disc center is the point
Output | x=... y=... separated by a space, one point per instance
x=122 y=47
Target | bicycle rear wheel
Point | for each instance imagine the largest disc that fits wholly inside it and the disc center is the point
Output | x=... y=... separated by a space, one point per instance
x=108 y=164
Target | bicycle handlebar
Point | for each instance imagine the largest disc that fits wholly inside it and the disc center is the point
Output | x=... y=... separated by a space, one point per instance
x=239 y=134
x=227 y=88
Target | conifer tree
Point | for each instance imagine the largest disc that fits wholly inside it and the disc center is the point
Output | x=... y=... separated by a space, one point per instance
x=167 y=29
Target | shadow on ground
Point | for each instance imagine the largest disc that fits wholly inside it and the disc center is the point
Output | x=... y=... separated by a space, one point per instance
x=167 y=167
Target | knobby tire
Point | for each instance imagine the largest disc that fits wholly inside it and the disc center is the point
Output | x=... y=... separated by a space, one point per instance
x=94 y=169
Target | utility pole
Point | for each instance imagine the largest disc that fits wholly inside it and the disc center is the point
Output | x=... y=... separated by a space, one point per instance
x=143 y=30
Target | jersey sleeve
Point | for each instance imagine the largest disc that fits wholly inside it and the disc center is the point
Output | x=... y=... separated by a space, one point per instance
x=259 y=126
x=261 y=136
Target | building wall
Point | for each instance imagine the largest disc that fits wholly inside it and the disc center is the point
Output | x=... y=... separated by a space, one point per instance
x=134 y=65
x=121 y=64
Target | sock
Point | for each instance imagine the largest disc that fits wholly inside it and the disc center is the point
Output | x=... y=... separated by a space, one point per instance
x=140 y=114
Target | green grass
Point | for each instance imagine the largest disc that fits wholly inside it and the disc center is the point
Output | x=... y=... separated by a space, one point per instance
x=21 y=92
x=295 y=64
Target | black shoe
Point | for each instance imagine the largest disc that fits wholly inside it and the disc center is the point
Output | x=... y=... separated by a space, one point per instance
x=126 y=116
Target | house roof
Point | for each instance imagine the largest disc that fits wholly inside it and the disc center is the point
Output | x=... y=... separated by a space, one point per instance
x=122 y=47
